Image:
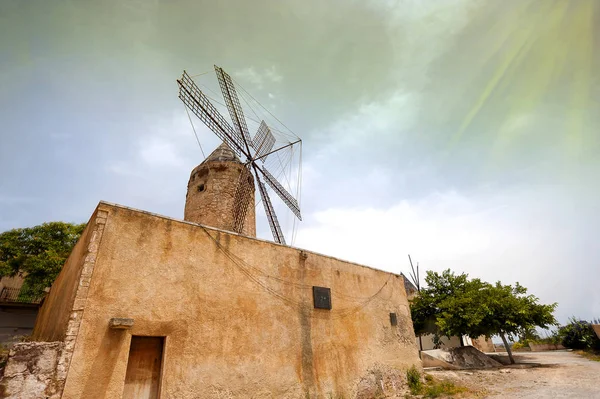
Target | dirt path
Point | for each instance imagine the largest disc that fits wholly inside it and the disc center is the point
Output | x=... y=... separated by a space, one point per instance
x=561 y=374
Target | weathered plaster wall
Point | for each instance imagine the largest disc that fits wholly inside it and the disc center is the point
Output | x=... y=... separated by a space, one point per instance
x=237 y=314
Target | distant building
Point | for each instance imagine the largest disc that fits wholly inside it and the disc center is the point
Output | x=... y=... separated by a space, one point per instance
x=147 y=306
x=17 y=311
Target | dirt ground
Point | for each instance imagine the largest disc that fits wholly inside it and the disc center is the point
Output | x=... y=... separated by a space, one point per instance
x=556 y=374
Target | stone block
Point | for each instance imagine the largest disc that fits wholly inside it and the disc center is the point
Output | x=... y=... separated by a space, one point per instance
x=120 y=323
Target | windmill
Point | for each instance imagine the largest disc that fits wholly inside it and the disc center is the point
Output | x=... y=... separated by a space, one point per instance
x=263 y=145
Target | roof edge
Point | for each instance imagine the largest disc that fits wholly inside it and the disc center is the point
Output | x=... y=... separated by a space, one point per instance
x=114 y=205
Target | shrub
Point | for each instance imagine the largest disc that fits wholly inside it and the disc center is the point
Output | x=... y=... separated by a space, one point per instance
x=442 y=388
x=579 y=334
x=519 y=345
x=413 y=378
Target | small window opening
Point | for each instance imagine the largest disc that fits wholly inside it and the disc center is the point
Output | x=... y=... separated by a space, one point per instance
x=201 y=187
x=393 y=319
x=322 y=298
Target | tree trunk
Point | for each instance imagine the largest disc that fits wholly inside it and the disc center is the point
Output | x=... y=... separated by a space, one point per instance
x=508 y=350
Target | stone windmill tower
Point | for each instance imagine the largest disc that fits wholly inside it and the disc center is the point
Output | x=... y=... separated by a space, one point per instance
x=211 y=192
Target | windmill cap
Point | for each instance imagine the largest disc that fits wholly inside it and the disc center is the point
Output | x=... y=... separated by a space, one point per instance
x=222 y=154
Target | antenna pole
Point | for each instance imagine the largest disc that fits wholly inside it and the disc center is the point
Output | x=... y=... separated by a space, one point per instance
x=418 y=284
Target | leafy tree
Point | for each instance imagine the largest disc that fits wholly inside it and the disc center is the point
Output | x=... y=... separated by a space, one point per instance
x=579 y=334
x=37 y=253
x=454 y=305
x=511 y=312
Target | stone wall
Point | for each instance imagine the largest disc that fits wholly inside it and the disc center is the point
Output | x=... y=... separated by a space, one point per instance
x=545 y=347
x=61 y=313
x=237 y=315
x=31 y=371
x=484 y=344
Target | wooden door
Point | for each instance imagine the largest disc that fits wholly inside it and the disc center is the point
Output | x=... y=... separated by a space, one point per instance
x=142 y=379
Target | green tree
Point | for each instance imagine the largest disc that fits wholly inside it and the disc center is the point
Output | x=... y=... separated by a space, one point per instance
x=454 y=305
x=579 y=334
x=511 y=312
x=37 y=253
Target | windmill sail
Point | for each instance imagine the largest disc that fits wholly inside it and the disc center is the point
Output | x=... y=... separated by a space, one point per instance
x=263 y=141
x=199 y=104
x=281 y=192
x=273 y=221
x=243 y=199
x=233 y=104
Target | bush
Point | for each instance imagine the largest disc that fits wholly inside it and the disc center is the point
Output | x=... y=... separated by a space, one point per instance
x=579 y=334
x=442 y=388
x=520 y=345
x=413 y=378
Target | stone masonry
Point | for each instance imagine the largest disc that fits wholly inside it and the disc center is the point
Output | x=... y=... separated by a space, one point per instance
x=32 y=371
x=211 y=192
x=39 y=369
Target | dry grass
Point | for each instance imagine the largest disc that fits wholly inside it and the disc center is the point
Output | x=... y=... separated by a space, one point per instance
x=591 y=355
x=435 y=388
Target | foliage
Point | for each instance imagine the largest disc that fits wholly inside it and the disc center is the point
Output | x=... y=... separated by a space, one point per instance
x=432 y=388
x=520 y=345
x=443 y=388
x=454 y=305
x=413 y=376
x=554 y=338
x=525 y=337
x=579 y=334
x=588 y=354
x=37 y=253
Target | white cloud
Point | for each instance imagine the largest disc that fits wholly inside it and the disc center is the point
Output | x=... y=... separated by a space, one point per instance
x=159 y=151
x=443 y=225
x=259 y=78
x=374 y=120
x=508 y=236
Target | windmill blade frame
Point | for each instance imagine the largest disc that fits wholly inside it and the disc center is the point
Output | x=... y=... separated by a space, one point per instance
x=271 y=216
x=263 y=142
x=201 y=106
x=233 y=105
x=286 y=197
x=242 y=199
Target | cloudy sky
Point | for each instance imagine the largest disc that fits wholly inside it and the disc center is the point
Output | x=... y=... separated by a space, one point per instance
x=463 y=132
